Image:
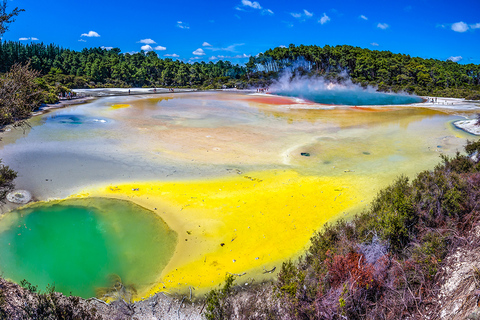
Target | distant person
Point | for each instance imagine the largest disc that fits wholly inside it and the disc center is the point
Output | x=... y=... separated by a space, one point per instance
x=128 y=91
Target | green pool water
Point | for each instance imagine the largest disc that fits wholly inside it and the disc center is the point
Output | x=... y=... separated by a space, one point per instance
x=80 y=245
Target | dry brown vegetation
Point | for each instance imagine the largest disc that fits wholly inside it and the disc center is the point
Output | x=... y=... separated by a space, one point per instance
x=19 y=95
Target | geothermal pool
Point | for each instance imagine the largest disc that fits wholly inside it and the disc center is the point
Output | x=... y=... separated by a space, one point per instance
x=82 y=245
x=320 y=90
x=236 y=183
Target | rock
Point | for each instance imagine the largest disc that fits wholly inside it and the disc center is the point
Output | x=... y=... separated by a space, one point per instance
x=474 y=157
x=19 y=196
x=305 y=154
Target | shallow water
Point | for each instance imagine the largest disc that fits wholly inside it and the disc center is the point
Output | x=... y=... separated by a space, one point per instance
x=81 y=245
x=250 y=171
x=351 y=97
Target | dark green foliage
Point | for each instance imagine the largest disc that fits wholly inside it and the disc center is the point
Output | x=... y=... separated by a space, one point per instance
x=387 y=71
x=289 y=279
x=430 y=252
x=7 y=176
x=97 y=67
x=218 y=304
x=473 y=146
x=27 y=285
x=393 y=214
x=7 y=17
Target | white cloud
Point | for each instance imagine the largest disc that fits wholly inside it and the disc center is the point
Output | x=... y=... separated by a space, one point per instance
x=90 y=34
x=254 y=5
x=199 y=52
x=106 y=48
x=206 y=44
x=146 y=47
x=374 y=44
x=324 y=19
x=303 y=16
x=160 y=48
x=82 y=40
x=455 y=59
x=26 y=39
x=308 y=14
x=238 y=56
x=363 y=17
x=146 y=41
x=475 y=26
x=173 y=55
x=459 y=26
x=251 y=4
x=182 y=25
x=230 y=48
x=282 y=46
x=195 y=58
x=382 y=26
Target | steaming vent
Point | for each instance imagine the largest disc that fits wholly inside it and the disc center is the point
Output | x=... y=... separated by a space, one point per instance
x=323 y=91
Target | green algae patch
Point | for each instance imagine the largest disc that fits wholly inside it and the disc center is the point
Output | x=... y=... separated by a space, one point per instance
x=80 y=245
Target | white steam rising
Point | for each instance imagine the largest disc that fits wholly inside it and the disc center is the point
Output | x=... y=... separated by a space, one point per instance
x=344 y=92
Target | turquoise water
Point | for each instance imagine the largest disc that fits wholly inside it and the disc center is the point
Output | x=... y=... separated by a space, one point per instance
x=354 y=96
x=80 y=245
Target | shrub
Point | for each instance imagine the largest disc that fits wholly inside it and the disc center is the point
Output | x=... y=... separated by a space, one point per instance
x=7 y=176
x=218 y=304
x=394 y=215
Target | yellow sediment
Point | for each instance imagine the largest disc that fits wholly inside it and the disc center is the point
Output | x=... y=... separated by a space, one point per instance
x=119 y=106
x=246 y=223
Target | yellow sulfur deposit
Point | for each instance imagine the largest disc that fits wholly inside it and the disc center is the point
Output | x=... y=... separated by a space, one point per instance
x=250 y=222
x=119 y=106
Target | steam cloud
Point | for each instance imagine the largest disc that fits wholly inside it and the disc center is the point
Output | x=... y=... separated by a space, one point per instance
x=324 y=91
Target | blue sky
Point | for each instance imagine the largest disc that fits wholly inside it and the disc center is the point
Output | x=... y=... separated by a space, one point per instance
x=208 y=30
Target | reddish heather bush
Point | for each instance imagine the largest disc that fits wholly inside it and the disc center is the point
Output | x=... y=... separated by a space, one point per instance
x=352 y=267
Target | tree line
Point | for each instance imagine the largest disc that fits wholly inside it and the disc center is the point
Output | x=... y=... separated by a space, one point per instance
x=101 y=67
x=386 y=70
x=98 y=67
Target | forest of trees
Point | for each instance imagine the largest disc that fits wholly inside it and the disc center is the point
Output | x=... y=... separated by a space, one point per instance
x=384 y=69
x=97 y=67
x=110 y=68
